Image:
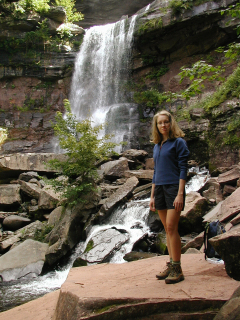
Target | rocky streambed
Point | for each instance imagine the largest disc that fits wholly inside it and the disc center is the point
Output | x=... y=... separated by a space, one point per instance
x=113 y=225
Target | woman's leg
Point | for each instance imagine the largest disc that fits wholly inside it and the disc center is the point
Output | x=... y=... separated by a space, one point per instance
x=172 y=219
x=163 y=217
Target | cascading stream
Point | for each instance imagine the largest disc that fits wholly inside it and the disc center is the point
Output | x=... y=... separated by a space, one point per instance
x=131 y=217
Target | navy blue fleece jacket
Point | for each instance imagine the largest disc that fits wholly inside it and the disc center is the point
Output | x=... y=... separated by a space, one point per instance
x=170 y=162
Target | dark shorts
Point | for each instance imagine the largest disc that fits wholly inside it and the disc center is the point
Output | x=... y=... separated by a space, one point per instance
x=165 y=196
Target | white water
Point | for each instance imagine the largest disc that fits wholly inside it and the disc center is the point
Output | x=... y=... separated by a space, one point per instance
x=98 y=89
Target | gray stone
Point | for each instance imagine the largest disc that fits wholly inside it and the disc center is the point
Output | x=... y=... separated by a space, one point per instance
x=28 y=162
x=26 y=176
x=10 y=195
x=24 y=233
x=55 y=216
x=103 y=244
x=24 y=261
x=31 y=189
x=48 y=198
x=123 y=192
x=134 y=256
x=14 y=222
x=134 y=154
x=70 y=229
x=115 y=169
x=57 y=14
x=145 y=175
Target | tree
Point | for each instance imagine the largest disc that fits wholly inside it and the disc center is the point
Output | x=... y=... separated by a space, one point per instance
x=83 y=149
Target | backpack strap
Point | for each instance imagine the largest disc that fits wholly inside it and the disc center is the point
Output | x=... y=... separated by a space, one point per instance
x=205 y=240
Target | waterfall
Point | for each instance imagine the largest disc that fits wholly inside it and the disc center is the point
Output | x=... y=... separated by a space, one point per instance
x=98 y=89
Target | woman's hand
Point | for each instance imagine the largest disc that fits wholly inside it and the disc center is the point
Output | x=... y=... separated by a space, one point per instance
x=152 y=204
x=178 y=202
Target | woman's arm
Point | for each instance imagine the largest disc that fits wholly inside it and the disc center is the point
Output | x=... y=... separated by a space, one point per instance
x=178 y=202
x=152 y=200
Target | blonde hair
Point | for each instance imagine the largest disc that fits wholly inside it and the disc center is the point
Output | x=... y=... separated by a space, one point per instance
x=175 y=131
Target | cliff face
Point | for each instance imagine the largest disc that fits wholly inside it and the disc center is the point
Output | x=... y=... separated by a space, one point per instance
x=99 y=12
x=33 y=89
x=166 y=41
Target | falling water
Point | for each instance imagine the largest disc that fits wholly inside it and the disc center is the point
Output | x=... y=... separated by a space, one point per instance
x=100 y=77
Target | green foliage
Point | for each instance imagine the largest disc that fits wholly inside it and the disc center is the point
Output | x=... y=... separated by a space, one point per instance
x=40 y=6
x=3 y=135
x=83 y=150
x=234 y=12
x=69 y=5
x=150 y=97
x=229 y=89
x=40 y=235
x=178 y=6
x=158 y=72
x=151 y=25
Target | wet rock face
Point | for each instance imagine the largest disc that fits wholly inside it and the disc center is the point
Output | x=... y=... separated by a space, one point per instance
x=99 y=12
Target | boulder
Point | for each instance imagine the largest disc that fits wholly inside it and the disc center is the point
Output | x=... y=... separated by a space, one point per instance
x=14 y=222
x=134 y=154
x=134 y=256
x=230 y=207
x=27 y=232
x=149 y=164
x=55 y=216
x=24 y=261
x=145 y=175
x=26 y=176
x=227 y=190
x=73 y=28
x=230 y=176
x=212 y=214
x=4 y=215
x=28 y=162
x=227 y=245
x=57 y=14
x=212 y=190
x=115 y=169
x=191 y=217
x=10 y=196
x=195 y=243
x=192 y=251
x=48 y=198
x=123 y=191
x=235 y=220
x=103 y=244
x=30 y=189
x=231 y=309
x=70 y=229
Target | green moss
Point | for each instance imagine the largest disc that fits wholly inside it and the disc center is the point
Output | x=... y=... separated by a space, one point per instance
x=151 y=25
x=40 y=235
x=89 y=246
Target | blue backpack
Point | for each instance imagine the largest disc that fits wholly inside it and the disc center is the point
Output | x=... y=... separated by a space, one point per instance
x=212 y=229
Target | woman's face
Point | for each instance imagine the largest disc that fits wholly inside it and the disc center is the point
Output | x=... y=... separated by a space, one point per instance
x=163 y=125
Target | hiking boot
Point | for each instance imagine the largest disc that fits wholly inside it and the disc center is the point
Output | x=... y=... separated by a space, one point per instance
x=175 y=274
x=163 y=275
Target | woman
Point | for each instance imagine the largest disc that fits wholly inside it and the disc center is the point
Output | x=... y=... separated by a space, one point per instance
x=170 y=155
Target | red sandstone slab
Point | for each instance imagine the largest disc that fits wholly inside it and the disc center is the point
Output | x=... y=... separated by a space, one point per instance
x=92 y=287
x=137 y=280
x=40 y=309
